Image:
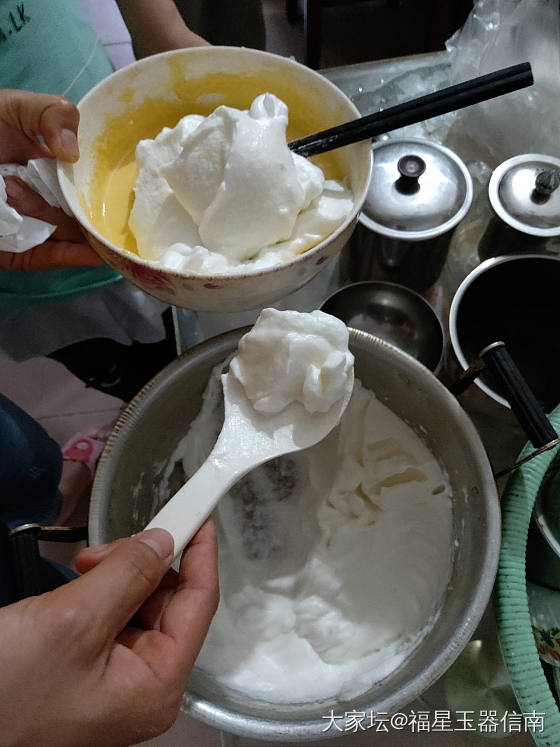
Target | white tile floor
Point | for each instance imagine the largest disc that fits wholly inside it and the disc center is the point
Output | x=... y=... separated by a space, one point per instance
x=53 y=396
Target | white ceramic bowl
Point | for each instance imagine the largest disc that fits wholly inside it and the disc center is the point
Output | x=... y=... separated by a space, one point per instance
x=181 y=82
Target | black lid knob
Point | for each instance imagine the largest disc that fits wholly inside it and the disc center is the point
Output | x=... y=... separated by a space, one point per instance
x=411 y=167
x=546 y=183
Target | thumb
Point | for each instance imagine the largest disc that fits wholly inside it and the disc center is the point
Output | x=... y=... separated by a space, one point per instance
x=115 y=589
x=53 y=117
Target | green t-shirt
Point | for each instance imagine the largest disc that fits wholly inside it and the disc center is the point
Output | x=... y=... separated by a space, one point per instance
x=49 y=46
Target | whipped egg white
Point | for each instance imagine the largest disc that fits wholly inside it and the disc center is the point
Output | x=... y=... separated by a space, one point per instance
x=289 y=356
x=224 y=193
x=333 y=561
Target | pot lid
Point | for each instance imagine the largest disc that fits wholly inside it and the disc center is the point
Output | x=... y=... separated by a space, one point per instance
x=524 y=192
x=418 y=189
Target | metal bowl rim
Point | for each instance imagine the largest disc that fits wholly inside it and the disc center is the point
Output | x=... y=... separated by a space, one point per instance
x=409 y=291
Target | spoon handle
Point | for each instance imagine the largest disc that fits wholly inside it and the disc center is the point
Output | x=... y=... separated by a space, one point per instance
x=186 y=511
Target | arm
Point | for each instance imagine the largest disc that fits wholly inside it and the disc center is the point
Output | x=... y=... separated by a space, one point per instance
x=156 y=26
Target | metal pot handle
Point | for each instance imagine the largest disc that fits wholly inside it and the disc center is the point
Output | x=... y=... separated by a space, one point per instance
x=524 y=404
x=26 y=561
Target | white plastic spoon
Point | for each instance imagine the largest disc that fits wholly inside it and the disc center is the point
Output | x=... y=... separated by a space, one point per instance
x=247 y=439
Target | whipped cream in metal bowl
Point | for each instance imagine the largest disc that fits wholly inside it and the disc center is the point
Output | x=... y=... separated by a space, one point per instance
x=334 y=560
x=223 y=194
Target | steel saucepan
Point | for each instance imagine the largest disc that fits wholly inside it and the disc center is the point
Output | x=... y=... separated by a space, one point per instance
x=513 y=299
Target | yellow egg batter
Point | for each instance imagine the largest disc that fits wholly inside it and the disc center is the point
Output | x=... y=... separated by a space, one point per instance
x=111 y=194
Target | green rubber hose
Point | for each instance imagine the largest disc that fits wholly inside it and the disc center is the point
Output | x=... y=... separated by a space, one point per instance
x=510 y=595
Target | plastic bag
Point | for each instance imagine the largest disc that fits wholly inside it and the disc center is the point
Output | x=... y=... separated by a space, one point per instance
x=499 y=33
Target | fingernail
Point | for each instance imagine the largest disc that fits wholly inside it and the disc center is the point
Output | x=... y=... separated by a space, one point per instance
x=69 y=143
x=13 y=189
x=98 y=548
x=159 y=540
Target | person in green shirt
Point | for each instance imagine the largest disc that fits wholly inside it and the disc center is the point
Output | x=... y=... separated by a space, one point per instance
x=72 y=307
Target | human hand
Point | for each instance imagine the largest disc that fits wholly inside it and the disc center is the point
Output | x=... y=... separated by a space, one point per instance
x=64 y=248
x=23 y=117
x=104 y=659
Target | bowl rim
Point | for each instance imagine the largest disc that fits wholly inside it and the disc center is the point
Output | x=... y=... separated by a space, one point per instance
x=62 y=169
x=312 y=729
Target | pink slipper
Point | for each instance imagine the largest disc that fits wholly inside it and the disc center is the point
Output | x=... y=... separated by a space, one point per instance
x=87 y=446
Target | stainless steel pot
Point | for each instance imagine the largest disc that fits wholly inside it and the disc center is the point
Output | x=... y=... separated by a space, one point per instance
x=512 y=299
x=419 y=191
x=128 y=490
x=524 y=195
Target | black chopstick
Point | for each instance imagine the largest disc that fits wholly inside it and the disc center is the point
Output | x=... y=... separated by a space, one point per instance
x=446 y=100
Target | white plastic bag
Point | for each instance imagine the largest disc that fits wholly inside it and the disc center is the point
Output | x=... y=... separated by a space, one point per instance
x=499 y=33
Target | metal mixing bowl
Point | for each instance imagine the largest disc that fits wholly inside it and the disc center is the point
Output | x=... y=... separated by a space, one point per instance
x=128 y=489
x=394 y=313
